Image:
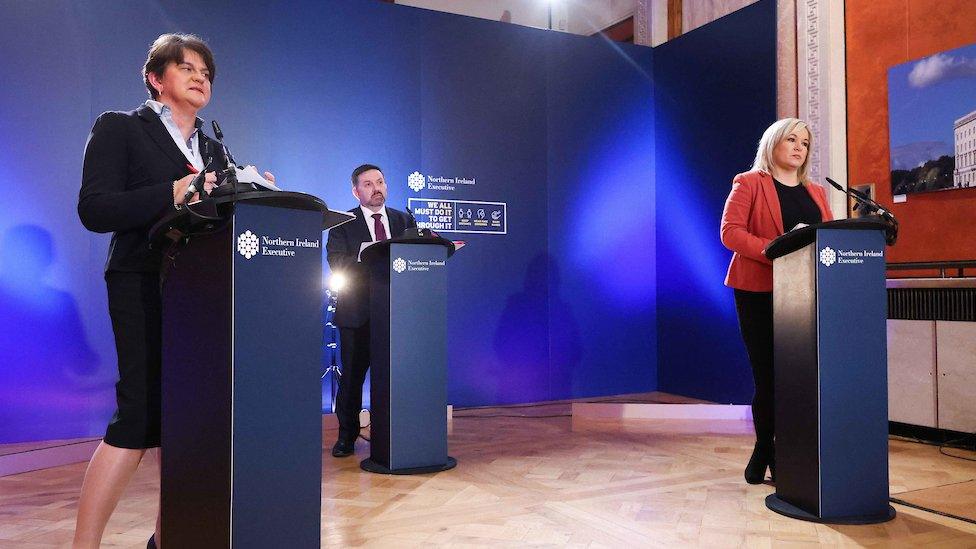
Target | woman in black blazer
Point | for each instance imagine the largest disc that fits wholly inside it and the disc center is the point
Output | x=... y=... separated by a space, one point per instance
x=138 y=166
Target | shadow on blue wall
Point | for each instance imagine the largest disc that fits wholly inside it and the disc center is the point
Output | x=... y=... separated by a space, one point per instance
x=537 y=341
x=46 y=365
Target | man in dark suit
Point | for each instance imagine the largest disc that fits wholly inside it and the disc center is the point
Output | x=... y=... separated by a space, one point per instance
x=374 y=222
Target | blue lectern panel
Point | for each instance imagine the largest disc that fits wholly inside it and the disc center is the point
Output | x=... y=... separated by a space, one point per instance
x=851 y=317
x=277 y=352
x=418 y=356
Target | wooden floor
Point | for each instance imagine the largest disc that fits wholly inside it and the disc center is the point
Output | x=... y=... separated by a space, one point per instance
x=542 y=481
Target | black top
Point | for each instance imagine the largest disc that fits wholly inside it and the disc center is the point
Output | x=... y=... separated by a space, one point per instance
x=131 y=162
x=797 y=206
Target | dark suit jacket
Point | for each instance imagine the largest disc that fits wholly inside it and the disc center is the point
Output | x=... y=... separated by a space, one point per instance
x=131 y=162
x=352 y=308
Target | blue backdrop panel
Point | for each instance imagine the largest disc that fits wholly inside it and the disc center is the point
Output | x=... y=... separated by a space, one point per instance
x=601 y=218
x=555 y=126
x=57 y=365
x=484 y=119
x=715 y=94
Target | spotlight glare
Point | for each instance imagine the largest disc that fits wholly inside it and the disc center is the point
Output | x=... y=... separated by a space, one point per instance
x=337 y=282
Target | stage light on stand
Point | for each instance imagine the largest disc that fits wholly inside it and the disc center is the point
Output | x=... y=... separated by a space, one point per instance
x=330 y=335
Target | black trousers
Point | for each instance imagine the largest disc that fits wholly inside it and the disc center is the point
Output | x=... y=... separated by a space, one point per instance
x=755 y=312
x=354 y=351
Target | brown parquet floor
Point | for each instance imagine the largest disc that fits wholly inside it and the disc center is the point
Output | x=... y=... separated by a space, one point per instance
x=540 y=482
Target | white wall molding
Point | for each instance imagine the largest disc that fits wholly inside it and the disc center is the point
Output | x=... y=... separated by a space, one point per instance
x=821 y=89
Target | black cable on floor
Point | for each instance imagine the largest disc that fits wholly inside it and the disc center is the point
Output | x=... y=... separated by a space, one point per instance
x=954 y=444
x=927 y=510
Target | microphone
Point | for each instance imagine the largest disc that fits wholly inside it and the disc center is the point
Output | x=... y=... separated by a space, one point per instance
x=861 y=198
x=891 y=233
x=416 y=231
x=220 y=139
x=197 y=184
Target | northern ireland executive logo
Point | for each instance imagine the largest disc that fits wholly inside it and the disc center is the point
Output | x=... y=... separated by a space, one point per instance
x=399 y=265
x=247 y=244
x=828 y=256
x=416 y=181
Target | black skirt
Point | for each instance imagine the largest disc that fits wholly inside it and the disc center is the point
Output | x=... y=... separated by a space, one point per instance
x=134 y=305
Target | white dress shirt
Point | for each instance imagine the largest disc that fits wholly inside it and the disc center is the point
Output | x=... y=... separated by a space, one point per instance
x=190 y=148
x=370 y=221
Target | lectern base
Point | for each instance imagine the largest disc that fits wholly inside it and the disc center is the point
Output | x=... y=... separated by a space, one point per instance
x=776 y=504
x=373 y=467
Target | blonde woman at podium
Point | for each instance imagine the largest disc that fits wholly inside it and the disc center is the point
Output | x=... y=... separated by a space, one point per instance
x=138 y=166
x=775 y=194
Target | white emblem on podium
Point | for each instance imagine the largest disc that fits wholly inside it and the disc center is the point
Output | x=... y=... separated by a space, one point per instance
x=828 y=256
x=247 y=244
x=399 y=265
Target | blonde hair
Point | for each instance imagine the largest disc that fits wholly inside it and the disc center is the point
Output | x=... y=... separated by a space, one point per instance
x=773 y=136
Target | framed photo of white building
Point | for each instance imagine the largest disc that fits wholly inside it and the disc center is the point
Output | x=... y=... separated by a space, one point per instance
x=932 y=122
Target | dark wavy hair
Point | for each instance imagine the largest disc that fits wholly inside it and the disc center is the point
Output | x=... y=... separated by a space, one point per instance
x=168 y=48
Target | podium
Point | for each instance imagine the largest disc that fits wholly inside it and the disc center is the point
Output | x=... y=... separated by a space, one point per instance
x=408 y=355
x=241 y=394
x=830 y=368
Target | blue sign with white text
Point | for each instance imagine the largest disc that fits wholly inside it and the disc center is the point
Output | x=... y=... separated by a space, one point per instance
x=460 y=216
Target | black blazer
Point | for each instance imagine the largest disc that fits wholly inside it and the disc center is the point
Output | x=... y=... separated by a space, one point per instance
x=352 y=308
x=131 y=162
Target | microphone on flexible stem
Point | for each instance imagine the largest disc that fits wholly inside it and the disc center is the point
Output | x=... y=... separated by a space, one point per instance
x=891 y=234
x=220 y=139
x=231 y=171
x=420 y=232
x=230 y=174
x=861 y=198
x=196 y=186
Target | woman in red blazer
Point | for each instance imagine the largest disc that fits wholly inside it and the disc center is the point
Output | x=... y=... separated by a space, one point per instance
x=775 y=195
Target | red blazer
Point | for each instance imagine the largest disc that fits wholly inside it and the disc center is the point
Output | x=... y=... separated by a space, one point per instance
x=752 y=218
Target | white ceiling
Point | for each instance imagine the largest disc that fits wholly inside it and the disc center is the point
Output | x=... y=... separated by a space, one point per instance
x=574 y=16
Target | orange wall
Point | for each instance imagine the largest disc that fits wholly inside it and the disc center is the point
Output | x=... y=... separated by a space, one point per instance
x=935 y=226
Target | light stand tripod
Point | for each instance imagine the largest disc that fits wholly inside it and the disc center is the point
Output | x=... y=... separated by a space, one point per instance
x=330 y=338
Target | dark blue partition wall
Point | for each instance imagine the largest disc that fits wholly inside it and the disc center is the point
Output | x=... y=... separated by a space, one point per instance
x=550 y=125
x=608 y=170
x=715 y=93
x=601 y=218
x=484 y=119
x=56 y=377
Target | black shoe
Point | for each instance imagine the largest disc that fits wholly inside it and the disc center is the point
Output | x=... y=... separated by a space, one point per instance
x=756 y=469
x=151 y=544
x=343 y=448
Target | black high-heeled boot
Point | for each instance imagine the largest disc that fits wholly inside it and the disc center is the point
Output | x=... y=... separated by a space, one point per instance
x=756 y=469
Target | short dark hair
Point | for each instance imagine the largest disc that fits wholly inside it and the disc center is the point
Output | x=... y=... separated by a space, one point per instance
x=362 y=169
x=168 y=48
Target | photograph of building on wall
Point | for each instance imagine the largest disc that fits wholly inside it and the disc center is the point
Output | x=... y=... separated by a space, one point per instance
x=932 y=122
